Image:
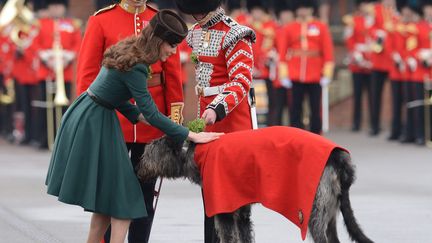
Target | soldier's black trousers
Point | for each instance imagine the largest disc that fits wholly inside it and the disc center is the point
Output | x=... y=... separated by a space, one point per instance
x=376 y=89
x=414 y=91
x=313 y=90
x=27 y=93
x=361 y=83
x=397 y=101
x=139 y=229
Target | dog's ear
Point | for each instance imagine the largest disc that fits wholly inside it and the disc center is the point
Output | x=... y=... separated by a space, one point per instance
x=173 y=145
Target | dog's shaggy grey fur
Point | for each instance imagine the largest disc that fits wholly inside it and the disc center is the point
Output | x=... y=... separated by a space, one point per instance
x=166 y=159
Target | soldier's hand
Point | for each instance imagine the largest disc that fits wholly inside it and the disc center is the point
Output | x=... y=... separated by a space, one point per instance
x=209 y=116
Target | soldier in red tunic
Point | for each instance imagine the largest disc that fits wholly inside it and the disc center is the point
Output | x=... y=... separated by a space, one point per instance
x=397 y=73
x=55 y=28
x=105 y=28
x=385 y=18
x=7 y=88
x=415 y=74
x=24 y=68
x=264 y=51
x=424 y=56
x=358 y=45
x=222 y=51
x=306 y=58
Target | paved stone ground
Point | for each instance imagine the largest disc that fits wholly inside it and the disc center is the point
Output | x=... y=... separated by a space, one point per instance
x=392 y=199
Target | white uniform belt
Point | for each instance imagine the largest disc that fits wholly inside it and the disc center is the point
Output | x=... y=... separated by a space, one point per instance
x=208 y=91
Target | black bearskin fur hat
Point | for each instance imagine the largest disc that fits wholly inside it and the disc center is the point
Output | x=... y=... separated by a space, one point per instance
x=198 y=6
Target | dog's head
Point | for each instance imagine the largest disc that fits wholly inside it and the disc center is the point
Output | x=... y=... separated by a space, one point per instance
x=162 y=157
x=165 y=158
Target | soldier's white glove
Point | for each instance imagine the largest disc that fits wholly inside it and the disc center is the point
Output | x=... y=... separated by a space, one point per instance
x=286 y=83
x=412 y=64
x=325 y=81
x=397 y=59
x=425 y=55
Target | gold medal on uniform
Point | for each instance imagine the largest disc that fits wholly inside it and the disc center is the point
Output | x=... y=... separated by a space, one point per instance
x=206 y=43
x=411 y=43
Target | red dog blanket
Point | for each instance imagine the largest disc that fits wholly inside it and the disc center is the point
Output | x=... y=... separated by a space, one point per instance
x=279 y=167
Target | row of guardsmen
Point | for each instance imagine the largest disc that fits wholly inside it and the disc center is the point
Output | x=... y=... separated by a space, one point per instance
x=393 y=40
x=38 y=48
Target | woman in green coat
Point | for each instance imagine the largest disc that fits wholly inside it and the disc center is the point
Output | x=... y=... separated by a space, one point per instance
x=90 y=165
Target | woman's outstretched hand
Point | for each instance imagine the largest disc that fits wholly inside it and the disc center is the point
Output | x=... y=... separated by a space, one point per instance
x=203 y=137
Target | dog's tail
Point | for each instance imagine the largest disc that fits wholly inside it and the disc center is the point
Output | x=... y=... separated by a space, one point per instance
x=347 y=176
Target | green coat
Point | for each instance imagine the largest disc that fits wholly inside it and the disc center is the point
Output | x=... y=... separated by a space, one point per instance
x=90 y=166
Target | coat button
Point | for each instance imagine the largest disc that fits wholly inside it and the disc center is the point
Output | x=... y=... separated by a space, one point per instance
x=138 y=30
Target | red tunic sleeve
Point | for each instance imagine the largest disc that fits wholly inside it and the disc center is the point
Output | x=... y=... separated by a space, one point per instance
x=239 y=62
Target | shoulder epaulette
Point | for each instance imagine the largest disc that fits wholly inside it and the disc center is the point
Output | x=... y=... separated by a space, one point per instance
x=236 y=33
x=104 y=9
x=348 y=20
x=152 y=8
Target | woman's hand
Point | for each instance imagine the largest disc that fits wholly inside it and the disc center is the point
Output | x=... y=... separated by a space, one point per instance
x=142 y=119
x=209 y=116
x=203 y=137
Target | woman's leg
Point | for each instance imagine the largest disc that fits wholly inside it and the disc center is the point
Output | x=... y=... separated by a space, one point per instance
x=98 y=225
x=119 y=228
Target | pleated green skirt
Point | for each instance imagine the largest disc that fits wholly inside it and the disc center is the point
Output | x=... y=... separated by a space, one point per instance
x=90 y=166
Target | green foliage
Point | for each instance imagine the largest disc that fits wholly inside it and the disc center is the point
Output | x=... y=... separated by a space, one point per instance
x=196 y=125
x=194 y=58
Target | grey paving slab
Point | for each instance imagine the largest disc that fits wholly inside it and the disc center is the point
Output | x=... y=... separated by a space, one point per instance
x=392 y=199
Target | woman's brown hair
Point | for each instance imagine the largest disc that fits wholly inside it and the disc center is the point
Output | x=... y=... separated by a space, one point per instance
x=144 y=48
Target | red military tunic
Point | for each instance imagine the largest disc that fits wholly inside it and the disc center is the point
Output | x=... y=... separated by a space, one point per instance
x=397 y=42
x=224 y=62
x=416 y=72
x=279 y=167
x=70 y=38
x=307 y=48
x=25 y=62
x=106 y=28
x=358 y=43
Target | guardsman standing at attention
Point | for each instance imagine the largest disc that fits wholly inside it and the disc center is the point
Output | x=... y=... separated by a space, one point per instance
x=398 y=72
x=357 y=42
x=56 y=30
x=424 y=56
x=282 y=91
x=307 y=59
x=385 y=18
x=264 y=51
x=107 y=27
x=414 y=86
x=23 y=72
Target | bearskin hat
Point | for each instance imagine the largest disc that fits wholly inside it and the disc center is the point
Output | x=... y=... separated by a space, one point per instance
x=233 y=4
x=425 y=3
x=64 y=2
x=305 y=4
x=198 y=6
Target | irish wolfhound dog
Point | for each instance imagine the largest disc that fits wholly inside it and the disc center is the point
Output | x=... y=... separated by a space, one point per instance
x=166 y=159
